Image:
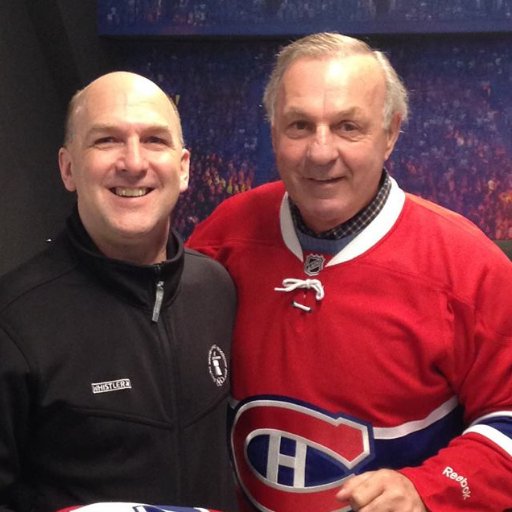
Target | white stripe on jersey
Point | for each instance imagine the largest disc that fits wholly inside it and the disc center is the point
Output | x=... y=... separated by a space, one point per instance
x=414 y=426
x=493 y=434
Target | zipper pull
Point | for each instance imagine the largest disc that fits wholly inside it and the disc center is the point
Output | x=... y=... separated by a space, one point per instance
x=159 y=297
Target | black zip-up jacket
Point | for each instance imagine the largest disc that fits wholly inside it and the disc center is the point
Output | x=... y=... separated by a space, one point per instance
x=114 y=379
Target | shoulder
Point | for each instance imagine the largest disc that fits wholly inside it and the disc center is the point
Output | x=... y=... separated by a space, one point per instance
x=198 y=263
x=245 y=216
x=448 y=225
x=255 y=202
x=449 y=218
x=447 y=243
x=42 y=269
x=203 y=270
x=206 y=286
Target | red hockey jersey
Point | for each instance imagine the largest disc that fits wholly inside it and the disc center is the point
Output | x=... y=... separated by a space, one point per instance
x=396 y=352
x=131 y=507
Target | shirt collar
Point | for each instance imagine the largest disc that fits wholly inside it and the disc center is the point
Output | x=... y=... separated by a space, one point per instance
x=355 y=224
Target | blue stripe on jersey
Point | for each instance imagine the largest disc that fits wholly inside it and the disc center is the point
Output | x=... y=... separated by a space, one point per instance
x=268 y=442
x=414 y=448
x=496 y=427
x=501 y=423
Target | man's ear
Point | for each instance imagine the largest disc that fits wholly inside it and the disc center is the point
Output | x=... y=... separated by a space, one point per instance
x=66 y=171
x=184 y=169
x=393 y=133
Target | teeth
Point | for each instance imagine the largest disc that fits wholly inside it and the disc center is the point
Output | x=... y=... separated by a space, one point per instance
x=130 y=192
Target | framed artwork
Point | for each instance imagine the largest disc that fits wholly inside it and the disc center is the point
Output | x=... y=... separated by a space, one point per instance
x=294 y=17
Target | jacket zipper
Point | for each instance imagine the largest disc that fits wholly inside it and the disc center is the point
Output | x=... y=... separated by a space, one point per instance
x=159 y=296
x=166 y=335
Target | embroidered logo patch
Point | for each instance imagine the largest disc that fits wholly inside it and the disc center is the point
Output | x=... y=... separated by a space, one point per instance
x=314 y=264
x=217 y=365
x=110 y=385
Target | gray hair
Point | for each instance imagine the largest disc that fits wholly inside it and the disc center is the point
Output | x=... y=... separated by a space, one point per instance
x=327 y=44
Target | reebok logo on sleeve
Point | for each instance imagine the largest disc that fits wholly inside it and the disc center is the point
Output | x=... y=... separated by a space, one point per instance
x=448 y=472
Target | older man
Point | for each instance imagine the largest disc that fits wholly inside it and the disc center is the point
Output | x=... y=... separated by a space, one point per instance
x=373 y=343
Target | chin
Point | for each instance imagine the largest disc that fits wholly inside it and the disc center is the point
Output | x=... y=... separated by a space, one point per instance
x=135 y=232
x=328 y=218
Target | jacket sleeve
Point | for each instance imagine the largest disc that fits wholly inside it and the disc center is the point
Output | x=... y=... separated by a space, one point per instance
x=474 y=472
x=14 y=418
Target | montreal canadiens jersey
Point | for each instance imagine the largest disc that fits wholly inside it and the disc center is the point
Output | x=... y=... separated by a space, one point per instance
x=394 y=353
x=131 y=507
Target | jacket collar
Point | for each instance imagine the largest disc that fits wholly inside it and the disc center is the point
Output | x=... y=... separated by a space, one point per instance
x=135 y=284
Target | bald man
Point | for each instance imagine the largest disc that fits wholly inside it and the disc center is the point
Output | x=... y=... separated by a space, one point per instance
x=115 y=341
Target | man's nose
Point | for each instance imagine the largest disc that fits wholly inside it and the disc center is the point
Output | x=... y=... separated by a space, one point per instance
x=322 y=149
x=133 y=158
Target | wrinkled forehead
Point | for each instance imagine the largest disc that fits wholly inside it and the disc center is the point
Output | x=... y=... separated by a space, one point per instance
x=334 y=81
x=340 y=70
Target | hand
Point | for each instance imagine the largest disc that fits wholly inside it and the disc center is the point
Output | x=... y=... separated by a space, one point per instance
x=379 y=491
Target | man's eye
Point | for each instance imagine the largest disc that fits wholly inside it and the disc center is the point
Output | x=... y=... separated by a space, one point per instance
x=297 y=129
x=104 y=141
x=299 y=125
x=155 y=140
x=347 y=126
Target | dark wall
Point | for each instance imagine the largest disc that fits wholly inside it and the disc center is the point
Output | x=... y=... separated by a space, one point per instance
x=48 y=49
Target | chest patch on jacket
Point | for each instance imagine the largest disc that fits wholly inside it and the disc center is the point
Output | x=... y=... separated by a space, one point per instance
x=110 y=385
x=217 y=365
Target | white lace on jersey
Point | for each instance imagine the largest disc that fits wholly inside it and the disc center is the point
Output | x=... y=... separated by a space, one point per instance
x=290 y=284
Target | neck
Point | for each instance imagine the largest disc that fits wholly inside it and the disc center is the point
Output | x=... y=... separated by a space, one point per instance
x=138 y=250
x=136 y=254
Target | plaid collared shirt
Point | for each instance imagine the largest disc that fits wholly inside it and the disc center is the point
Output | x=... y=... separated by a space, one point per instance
x=355 y=224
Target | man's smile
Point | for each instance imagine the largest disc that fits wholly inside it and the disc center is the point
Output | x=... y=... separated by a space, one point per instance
x=131 y=191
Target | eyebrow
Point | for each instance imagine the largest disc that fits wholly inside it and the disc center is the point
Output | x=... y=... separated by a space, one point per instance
x=159 y=129
x=299 y=112
x=106 y=127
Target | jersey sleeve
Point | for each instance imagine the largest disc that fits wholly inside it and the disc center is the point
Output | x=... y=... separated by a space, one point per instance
x=474 y=472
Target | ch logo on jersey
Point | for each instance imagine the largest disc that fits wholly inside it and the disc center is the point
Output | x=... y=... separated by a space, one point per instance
x=217 y=365
x=313 y=264
x=291 y=457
